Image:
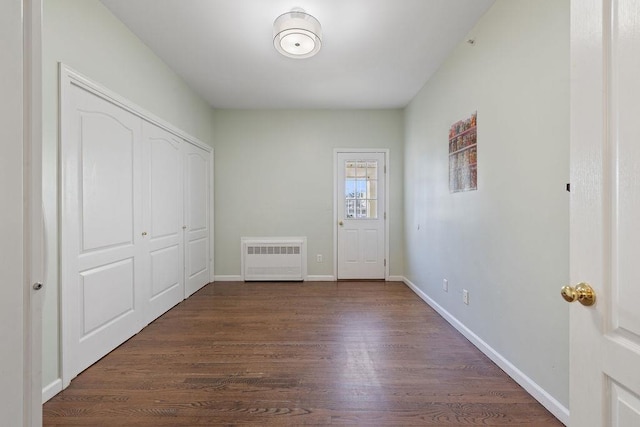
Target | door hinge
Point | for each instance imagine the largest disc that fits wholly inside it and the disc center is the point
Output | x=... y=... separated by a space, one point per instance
x=385 y=168
x=385 y=262
x=385 y=215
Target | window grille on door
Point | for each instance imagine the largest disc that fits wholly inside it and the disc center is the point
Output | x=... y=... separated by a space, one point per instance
x=361 y=189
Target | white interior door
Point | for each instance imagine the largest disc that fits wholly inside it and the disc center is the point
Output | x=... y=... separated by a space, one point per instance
x=197 y=207
x=361 y=215
x=605 y=212
x=162 y=200
x=102 y=301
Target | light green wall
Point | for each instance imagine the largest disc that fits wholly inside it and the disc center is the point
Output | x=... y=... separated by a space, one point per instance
x=84 y=35
x=274 y=177
x=507 y=242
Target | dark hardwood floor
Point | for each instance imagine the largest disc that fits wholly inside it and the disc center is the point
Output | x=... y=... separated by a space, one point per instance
x=356 y=353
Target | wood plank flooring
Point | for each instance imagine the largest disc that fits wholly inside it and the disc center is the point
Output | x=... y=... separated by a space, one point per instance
x=333 y=353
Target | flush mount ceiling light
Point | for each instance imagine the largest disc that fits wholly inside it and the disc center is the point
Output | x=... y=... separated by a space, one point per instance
x=297 y=34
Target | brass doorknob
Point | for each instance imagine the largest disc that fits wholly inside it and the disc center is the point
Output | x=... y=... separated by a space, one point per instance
x=583 y=293
x=341 y=223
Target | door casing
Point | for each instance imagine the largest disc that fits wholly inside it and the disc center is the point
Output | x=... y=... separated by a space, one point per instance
x=34 y=218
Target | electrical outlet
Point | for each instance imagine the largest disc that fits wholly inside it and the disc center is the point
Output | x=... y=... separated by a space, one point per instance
x=445 y=285
x=319 y=258
x=465 y=296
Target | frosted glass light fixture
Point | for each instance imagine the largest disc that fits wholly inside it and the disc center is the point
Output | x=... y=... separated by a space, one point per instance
x=297 y=34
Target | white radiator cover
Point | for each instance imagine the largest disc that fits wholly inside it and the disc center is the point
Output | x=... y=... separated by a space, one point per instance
x=273 y=258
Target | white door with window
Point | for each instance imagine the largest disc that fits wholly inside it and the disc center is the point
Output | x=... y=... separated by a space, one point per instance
x=605 y=212
x=361 y=181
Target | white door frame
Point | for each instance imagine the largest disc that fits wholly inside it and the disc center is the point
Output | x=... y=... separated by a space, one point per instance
x=337 y=199
x=22 y=125
x=34 y=248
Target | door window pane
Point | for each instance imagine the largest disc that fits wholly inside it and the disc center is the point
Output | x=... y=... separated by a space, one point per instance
x=350 y=188
x=350 y=170
x=373 y=190
x=350 y=208
x=361 y=189
x=372 y=206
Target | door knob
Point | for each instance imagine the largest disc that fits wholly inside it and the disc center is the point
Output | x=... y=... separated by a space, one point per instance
x=583 y=293
x=341 y=223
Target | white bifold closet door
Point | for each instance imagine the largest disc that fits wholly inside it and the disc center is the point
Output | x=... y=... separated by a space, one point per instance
x=102 y=256
x=198 y=217
x=136 y=224
x=162 y=238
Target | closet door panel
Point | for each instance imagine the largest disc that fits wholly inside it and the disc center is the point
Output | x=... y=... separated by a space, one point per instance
x=166 y=183
x=101 y=275
x=198 y=214
x=165 y=270
x=107 y=150
x=163 y=219
x=103 y=303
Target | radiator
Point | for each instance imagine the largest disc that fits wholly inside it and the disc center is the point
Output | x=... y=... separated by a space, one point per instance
x=274 y=258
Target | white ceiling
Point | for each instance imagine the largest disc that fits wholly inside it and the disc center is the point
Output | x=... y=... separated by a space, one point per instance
x=375 y=53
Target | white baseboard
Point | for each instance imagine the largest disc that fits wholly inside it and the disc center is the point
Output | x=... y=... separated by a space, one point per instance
x=320 y=278
x=538 y=393
x=229 y=278
x=310 y=278
x=51 y=390
x=395 y=279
